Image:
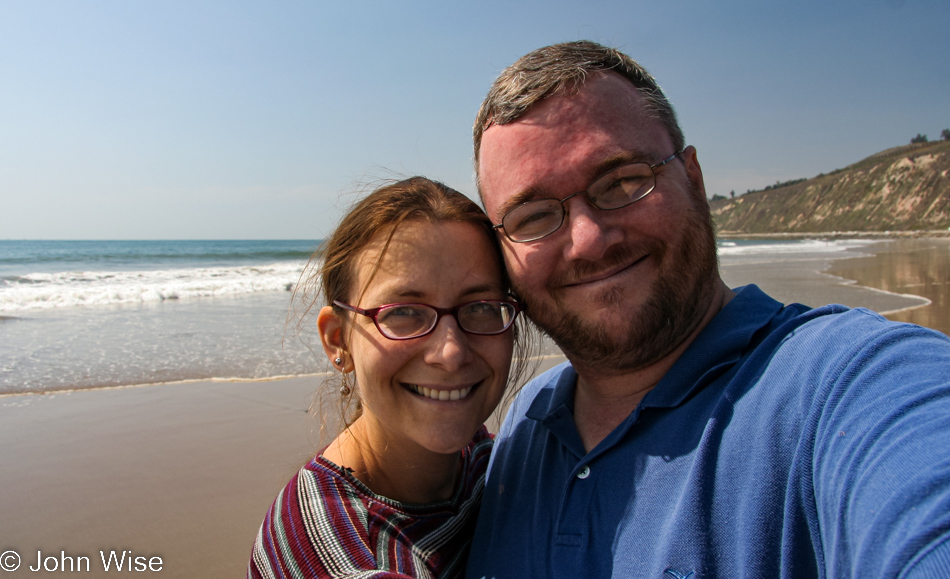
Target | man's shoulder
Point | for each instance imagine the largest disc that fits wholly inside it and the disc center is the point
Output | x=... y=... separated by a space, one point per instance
x=833 y=354
x=833 y=326
x=837 y=327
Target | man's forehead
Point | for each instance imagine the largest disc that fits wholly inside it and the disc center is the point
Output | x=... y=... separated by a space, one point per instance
x=577 y=131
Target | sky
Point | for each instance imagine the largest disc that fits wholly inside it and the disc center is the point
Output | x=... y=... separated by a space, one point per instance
x=207 y=119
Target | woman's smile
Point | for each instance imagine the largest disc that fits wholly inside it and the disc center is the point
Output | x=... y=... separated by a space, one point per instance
x=442 y=393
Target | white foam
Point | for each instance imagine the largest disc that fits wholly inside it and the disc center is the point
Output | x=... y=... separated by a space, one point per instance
x=729 y=248
x=85 y=288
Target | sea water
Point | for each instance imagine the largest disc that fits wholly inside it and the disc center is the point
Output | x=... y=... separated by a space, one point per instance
x=748 y=251
x=81 y=314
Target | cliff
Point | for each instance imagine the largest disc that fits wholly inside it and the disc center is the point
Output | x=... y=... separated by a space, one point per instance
x=901 y=189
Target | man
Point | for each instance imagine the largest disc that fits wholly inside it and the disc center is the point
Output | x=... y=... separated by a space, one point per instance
x=696 y=431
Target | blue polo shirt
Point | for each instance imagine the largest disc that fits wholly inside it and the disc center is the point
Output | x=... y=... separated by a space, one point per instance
x=785 y=442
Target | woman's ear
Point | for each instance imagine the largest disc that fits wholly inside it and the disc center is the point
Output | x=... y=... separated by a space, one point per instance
x=330 y=326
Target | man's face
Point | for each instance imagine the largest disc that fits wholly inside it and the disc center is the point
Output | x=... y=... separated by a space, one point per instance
x=620 y=288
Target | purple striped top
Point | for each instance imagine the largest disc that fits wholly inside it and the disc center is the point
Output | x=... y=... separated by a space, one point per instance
x=326 y=523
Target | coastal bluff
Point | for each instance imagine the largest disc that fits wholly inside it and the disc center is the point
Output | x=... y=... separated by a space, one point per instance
x=904 y=189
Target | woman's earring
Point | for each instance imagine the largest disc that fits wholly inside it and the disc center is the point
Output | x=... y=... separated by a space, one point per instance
x=345 y=387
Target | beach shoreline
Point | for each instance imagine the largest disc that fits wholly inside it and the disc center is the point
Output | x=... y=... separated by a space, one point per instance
x=916 y=267
x=236 y=379
x=854 y=278
x=236 y=337
x=186 y=470
x=918 y=234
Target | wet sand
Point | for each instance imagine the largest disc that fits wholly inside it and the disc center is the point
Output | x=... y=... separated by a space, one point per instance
x=907 y=280
x=186 y=471
x=907 y=266
x=182 y=471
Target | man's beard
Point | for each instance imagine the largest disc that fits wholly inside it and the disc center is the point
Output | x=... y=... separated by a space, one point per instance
x=678 y=300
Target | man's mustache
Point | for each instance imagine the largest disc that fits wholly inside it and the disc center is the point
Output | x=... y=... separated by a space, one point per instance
x=619 y=256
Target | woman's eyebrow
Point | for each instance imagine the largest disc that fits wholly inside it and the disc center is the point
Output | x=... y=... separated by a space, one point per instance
x=481 y=289
x=411 y=293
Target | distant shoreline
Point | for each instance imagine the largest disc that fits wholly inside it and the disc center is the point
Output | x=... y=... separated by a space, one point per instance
x=922 y=234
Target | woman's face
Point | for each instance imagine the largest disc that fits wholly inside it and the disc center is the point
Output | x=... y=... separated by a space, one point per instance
x=399 y=382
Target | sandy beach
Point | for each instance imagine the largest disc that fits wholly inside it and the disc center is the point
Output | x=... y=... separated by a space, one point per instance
x=181 y=471
x=185 y=472
x=907 y=280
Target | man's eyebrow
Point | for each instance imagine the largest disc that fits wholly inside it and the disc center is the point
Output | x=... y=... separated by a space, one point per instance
x=618 y=160
x=519 y=198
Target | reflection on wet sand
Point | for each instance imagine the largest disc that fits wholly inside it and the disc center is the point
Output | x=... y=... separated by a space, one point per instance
x=907 y=266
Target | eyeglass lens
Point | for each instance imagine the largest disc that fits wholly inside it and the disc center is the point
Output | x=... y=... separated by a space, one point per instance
x=410 y=320
x=618 y=188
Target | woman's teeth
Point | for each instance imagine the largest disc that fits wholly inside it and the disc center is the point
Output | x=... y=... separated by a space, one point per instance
x=440 y=394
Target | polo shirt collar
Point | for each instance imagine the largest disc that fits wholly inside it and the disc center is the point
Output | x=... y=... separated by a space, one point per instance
x=720 y=345
x=554 y=408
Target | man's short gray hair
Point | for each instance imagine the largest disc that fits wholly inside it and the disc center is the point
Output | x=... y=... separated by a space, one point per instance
x=564 y=67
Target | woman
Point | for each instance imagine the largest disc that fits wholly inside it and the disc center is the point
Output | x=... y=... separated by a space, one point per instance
x=419 y=321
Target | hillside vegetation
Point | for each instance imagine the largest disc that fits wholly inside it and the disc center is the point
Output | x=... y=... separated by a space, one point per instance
x=901 y=189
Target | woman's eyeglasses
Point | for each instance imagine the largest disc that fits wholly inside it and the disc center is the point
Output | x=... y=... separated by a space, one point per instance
x=618 y=188
x=408 y=321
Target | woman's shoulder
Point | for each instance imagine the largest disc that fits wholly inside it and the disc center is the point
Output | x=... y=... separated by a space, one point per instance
x=332 y=481
x=324 y=489
x=319 y=513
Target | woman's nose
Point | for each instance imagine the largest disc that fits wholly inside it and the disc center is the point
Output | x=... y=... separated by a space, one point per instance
x=448 y=346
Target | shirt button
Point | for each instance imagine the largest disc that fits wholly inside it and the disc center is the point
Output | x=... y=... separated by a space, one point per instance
x=585 y=472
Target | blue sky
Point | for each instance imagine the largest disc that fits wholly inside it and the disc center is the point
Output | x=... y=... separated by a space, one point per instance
x=235 y=119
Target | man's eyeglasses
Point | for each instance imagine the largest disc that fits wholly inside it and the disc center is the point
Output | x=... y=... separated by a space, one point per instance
x=617 y=188
x=408 y=321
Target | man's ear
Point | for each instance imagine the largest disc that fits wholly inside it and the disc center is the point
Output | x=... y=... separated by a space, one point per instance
x=330 y=326
x=693 y=171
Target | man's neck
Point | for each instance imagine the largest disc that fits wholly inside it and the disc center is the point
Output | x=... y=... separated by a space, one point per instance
x=604 y=398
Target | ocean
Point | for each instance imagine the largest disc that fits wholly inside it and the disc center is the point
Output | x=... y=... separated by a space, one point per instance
x=80 y=314
x=83 y=314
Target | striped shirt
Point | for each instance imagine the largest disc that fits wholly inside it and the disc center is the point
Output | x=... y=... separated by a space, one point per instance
x=326 y=523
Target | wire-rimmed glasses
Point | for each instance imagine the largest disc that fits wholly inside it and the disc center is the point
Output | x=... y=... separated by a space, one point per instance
x=619 y=187
x=408 y=321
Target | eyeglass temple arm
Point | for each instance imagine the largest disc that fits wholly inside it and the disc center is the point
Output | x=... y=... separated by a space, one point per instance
x=668 y=159
x=350 y=308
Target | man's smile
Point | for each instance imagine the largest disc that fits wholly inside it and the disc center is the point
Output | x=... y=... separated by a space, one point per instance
x=617 y=262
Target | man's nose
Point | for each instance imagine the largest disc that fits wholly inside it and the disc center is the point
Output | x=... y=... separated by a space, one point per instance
x=589 y=229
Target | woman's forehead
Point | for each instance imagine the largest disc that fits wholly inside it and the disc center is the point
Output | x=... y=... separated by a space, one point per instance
x=422 y=258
